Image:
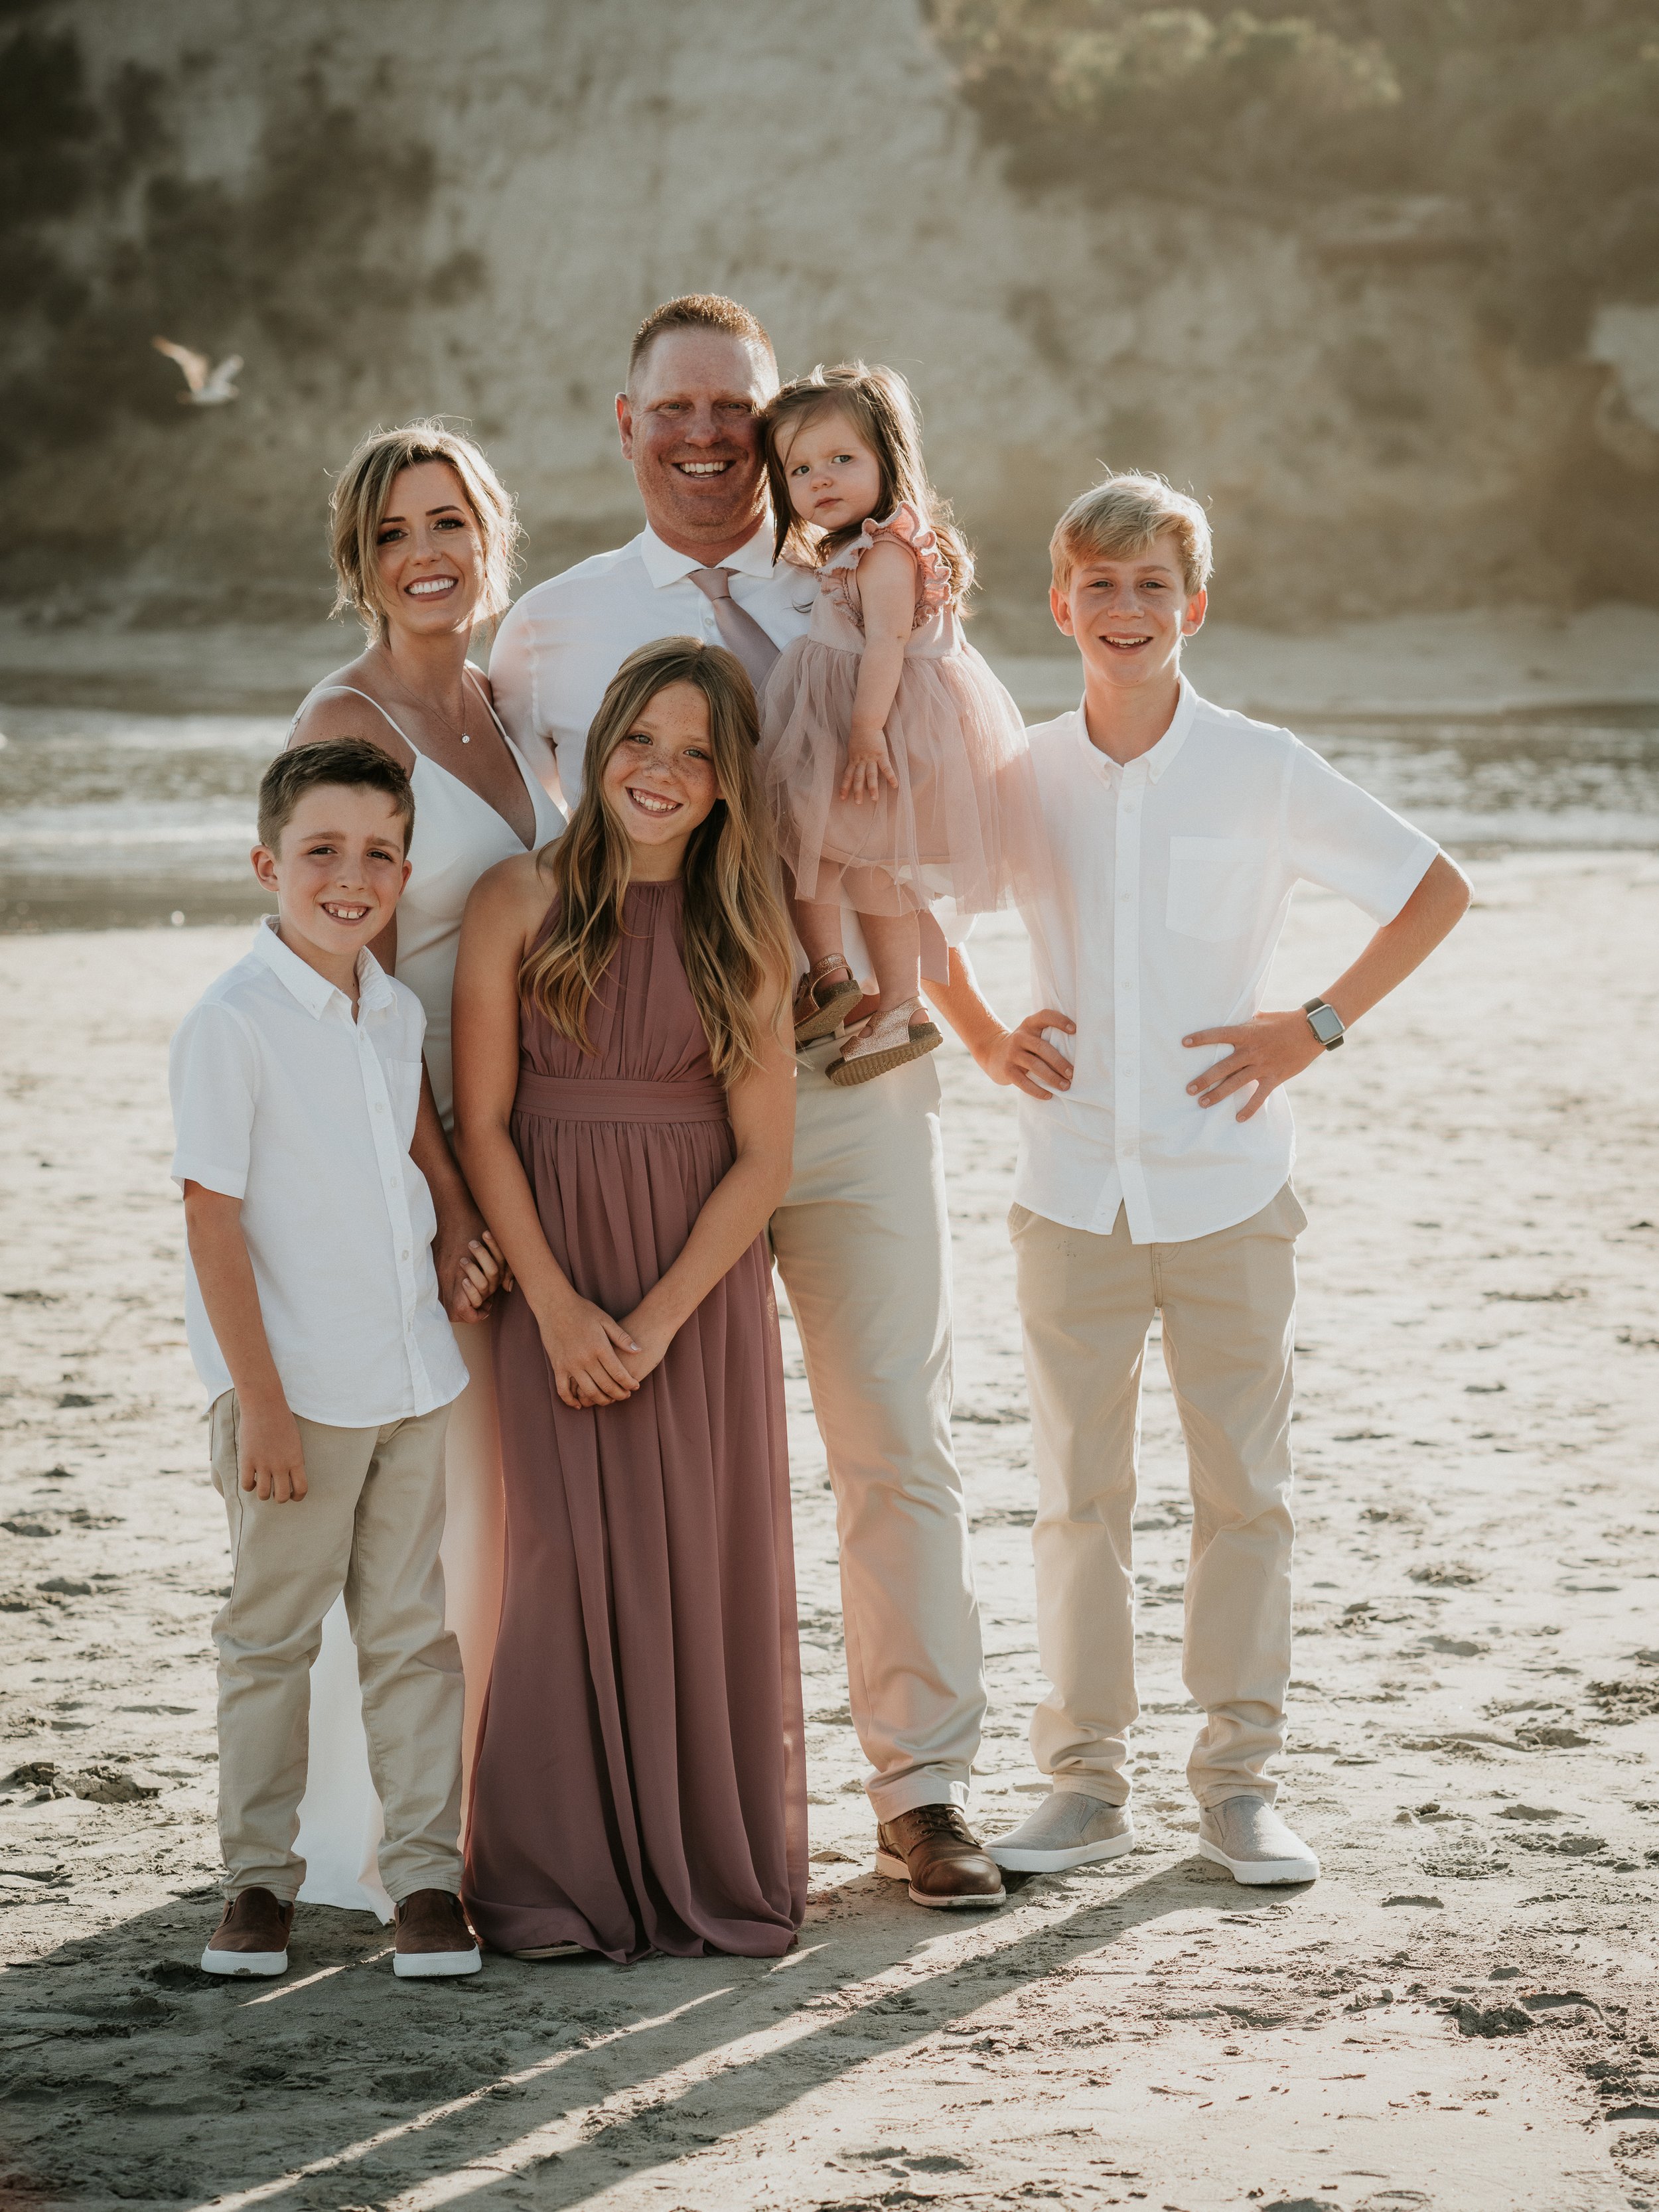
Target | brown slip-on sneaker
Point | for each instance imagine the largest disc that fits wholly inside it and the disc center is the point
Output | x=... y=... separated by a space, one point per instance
x=432 y=1937
x=934 y=1851
x=252 y=1938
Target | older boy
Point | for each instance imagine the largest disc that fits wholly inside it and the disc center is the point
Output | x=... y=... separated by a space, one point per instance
x=1154 y=1165
x=314 y=1322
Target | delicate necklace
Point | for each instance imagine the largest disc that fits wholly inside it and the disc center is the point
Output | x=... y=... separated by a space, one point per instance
x=426 y=708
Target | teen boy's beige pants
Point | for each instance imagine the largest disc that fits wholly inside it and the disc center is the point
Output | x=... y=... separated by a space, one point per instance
x=370 y=1524
x=863 y=1246
x=1086 y=1303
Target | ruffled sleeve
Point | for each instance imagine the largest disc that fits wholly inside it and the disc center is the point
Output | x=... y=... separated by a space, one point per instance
x=905 y=527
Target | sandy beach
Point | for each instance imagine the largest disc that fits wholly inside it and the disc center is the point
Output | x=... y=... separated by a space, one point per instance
x=1462 y=2015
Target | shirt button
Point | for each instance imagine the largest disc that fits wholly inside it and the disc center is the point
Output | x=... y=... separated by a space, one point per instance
x=405 y=1251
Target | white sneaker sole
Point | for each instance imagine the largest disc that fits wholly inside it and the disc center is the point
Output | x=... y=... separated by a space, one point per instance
x=1261 y=1873
x=435 y=1965
x=1018 y=1858
x=895 y=1870
x=244 y=1962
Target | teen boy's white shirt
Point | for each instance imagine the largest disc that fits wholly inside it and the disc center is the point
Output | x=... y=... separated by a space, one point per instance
x=562 y=643
x=281 y=1100
x=1169 y=884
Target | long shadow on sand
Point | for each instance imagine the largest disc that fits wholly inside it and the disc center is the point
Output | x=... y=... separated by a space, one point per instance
x=340 y=2086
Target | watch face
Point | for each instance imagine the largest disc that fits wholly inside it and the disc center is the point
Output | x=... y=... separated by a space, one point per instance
x=1325 y=1023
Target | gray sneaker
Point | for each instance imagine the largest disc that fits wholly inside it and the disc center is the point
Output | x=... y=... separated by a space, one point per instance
x=1066 y=1830
x=1246 y=1836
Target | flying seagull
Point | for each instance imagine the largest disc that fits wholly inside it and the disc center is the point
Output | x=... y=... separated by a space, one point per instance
x=209 y=387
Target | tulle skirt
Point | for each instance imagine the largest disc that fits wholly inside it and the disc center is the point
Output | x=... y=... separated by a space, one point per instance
x=962 y=821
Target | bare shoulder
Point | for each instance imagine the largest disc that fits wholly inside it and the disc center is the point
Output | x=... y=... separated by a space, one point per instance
x=511 y=899
x=887 y=571
x=337 y=707
x=888 y=556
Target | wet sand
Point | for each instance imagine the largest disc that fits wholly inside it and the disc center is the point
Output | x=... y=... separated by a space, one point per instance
x=1462 y=2015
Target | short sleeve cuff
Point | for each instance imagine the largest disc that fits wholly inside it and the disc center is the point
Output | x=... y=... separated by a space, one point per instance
x=1386 y=906
x=227 y=1182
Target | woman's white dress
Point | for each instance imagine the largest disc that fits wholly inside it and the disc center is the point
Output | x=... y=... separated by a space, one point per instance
x=457 y=836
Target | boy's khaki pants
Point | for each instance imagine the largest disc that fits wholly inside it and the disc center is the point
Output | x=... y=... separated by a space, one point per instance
x=370 y=1524
x=1086 y=1303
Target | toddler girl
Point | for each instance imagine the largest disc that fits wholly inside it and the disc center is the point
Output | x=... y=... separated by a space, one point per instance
x=895 y=764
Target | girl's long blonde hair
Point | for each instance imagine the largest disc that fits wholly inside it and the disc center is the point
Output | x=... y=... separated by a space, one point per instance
x=737 y=947
x=878 y=404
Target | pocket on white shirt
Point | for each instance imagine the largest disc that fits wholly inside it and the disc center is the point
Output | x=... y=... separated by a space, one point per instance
x=1215 y=886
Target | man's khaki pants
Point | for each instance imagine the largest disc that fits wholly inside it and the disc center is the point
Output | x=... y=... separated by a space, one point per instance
x=863 y=1245
x=1086 y=1303
x=370 y=1524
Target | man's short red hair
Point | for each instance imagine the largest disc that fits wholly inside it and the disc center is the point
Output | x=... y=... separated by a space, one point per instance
x=699 y=311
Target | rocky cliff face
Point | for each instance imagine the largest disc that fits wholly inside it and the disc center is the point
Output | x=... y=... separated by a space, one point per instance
x=388 y=210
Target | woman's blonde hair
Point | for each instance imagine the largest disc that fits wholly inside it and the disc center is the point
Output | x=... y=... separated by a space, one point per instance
x=735 y=943
x=357 y=508
x=879 y=404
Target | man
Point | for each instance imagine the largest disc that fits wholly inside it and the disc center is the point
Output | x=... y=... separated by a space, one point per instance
x=1154 y=1163
x=861 y=1239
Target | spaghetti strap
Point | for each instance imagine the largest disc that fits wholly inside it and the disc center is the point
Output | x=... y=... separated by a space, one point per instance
x=490 y=704
x=338 y=690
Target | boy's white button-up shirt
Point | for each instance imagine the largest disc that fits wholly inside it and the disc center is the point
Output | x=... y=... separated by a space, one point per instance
x=562 y=643
x=1169 y=883
x=281 y=1100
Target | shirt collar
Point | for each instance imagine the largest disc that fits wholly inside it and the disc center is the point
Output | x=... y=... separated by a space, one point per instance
x=1162 y=753
x=315 y=992
x=663 y=565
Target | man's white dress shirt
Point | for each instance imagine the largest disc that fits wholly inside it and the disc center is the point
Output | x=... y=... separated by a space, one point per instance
x=562 y=643
x=281 y=1100
x=1170 y=881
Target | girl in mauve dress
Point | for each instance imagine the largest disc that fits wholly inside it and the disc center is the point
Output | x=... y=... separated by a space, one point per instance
x=894 y=762
x=625 y=1114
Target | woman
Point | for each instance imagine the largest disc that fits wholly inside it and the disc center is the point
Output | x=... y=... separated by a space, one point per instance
x=625 y=1115
x=423 y=541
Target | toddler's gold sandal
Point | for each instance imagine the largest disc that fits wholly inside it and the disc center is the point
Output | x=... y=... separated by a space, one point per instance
x=887 y=1041
x=827 y=1003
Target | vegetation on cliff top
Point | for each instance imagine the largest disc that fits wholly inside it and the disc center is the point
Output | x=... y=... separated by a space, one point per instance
x=1525 y=133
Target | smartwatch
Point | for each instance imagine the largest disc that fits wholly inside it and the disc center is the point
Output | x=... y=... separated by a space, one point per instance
x=1325 y=1023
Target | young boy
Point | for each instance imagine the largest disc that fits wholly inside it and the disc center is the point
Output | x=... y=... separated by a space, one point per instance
x=1154 y=1163
x=313 y=1317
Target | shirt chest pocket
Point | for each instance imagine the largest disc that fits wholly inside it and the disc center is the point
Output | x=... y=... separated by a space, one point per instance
x=1215 y=886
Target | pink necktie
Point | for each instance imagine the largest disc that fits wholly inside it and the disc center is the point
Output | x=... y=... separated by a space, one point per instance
x=737 y=629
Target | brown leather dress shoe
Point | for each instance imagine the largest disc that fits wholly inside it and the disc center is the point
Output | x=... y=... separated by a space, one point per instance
x=252 y=1937
x=934 y=1851
x=432 y=1937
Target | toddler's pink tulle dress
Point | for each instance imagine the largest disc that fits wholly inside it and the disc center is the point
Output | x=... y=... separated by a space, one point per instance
x=962 y=822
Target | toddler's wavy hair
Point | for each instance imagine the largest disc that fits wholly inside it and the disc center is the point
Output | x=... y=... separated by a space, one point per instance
x=880 y=406
x=736 y=942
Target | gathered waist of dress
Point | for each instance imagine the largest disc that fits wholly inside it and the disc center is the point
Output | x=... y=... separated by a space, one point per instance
x=601 y=1098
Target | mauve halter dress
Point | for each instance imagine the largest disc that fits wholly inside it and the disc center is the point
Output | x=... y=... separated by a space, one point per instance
x=640 y=1782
